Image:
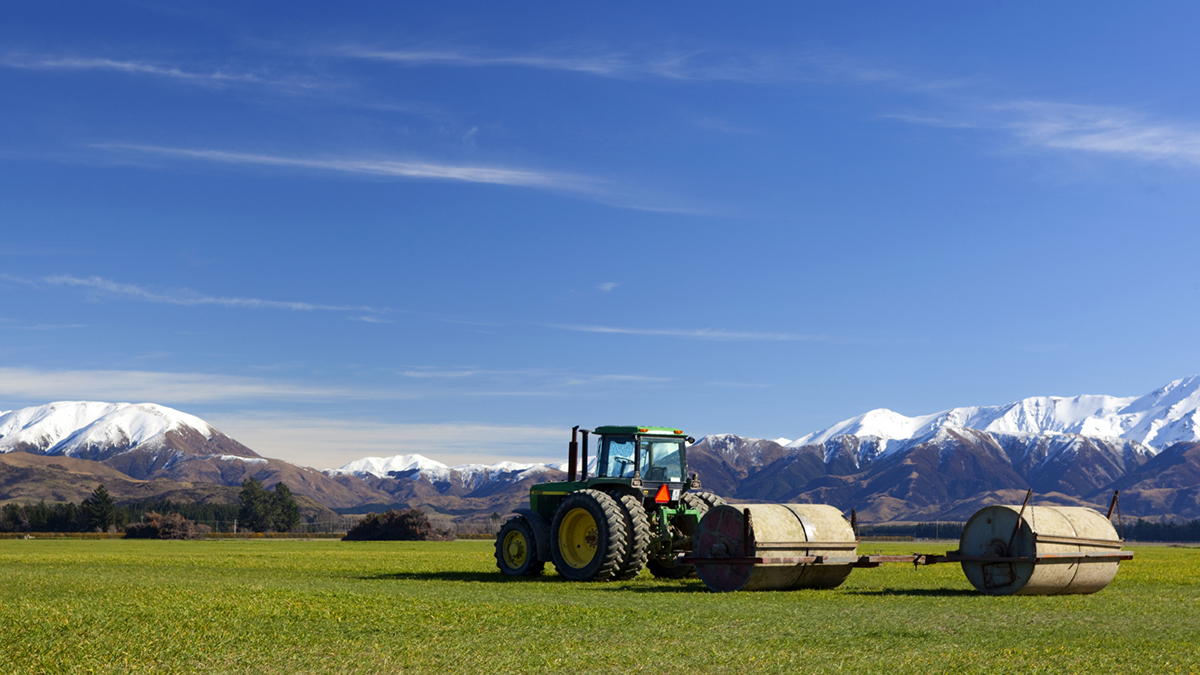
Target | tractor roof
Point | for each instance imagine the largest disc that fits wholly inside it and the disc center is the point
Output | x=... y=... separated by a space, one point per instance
x=656 y=431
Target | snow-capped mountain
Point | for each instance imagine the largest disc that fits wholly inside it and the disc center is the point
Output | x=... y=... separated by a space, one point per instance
x=1158 y=419
x=147 y=441
x=102 y=431
x=886 y=465
x=467 y=476
x=79 y=428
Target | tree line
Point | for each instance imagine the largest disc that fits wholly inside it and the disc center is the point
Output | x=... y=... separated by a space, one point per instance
x=1172 y=531
x=257 y=510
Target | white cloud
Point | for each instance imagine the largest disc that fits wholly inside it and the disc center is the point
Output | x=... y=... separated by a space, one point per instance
x=331 y=443
x=607 y=286
x=548 y=381
x=380 y=167
x=186 y=297
x=137 y=68
x=606 y=65
x=594 y=189
x=759 y=66
x=30 y=384
x=697 y=334
x=1099 y=129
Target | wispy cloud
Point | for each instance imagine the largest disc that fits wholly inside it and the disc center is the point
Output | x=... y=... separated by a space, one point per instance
x=379 y=167
x=205 y=77
x=1116 y=131
x=32 y=384
x=595 y=189
x=697 y=334
x=1105 y=130
x=950 y=102
x=371 y=319
x=719 y=335
x=607 y=286
x=757 y=66
x=186 y=297
x=330 y=443
x=548 y=378
x=15 y=324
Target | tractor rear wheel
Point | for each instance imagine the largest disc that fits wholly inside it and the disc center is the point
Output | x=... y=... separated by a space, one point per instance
x=588 y=537
x=667 y=568
x=702 y=501
x=637 y=544
x=517 y=551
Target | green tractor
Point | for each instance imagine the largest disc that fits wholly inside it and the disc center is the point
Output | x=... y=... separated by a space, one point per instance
x=637 y=511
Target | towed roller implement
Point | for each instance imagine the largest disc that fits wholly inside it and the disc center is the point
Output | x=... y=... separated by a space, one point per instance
x=1004 y=550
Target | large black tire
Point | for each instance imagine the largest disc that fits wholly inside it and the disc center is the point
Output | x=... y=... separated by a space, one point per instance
x=517 y=549
x=588 y=537
x=667 y=568
x=637 y=543
x=702 y=501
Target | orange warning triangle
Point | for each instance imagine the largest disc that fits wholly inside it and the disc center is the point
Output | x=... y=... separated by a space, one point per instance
x=663 y=496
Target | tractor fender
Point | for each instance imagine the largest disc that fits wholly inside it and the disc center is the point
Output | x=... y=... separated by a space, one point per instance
x=541 y=531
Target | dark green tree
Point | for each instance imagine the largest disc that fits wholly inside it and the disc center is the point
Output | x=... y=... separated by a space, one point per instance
x=287 y=511
x=99 y=511
x=257 y=512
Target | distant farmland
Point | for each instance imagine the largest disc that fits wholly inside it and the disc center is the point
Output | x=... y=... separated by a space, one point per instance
x=440 y=607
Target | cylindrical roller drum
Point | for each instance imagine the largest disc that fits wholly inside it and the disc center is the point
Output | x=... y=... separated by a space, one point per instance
x=776 y=531
x=1043 y=530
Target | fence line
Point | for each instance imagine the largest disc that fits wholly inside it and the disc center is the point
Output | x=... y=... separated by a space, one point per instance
x=339 y=526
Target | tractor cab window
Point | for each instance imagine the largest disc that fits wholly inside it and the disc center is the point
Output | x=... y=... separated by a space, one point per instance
x=616 y=457
x=661 y=459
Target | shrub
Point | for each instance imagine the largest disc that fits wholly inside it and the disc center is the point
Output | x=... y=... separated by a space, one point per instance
x=405 y=525
x=170 y=526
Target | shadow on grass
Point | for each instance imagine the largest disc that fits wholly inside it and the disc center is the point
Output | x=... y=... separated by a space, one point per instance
x=497 y=578
x=483 y=577
x=664 y=588
x=918 y=592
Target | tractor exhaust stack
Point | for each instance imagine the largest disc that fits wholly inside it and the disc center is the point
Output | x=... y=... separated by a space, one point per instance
x=573 y=449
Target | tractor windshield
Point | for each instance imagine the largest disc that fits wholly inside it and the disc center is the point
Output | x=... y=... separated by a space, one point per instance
x=616 y=457
x=661 y=456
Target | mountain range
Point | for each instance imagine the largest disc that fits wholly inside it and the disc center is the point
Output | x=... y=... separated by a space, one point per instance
x=887 y=466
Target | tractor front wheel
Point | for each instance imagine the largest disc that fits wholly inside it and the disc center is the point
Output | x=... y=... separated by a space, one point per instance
x=588 y=537
x=516 y=549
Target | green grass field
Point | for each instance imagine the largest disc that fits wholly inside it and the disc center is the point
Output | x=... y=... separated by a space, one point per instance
x=275 y=606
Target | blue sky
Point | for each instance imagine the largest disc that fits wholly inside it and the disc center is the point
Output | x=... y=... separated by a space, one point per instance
x=461 y=228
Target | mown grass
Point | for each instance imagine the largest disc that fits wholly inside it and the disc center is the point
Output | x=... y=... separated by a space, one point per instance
x=440 y=607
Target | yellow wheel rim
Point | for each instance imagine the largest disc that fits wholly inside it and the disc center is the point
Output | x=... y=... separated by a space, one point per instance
x=515 y=549
x=577 y=538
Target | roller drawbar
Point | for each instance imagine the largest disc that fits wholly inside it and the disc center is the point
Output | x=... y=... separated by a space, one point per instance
x=1004 y=550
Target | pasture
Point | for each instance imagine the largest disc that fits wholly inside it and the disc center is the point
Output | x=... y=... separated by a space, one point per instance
x=319 y=606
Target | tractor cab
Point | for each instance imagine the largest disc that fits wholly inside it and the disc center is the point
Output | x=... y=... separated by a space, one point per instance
x=647 y=462
x=648 y=459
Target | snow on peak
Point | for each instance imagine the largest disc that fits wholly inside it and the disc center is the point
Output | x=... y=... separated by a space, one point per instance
x=468 y=475
x=63 y=427
x=384 y=467
x=1158 y=419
